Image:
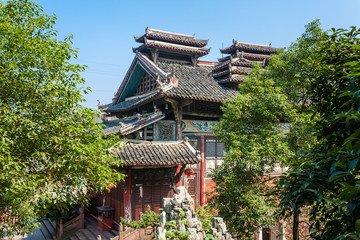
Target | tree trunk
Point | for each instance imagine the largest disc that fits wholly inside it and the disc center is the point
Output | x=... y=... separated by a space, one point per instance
x=296 y=226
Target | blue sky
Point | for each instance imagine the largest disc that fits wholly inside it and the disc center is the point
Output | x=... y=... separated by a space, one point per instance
x=103 y=30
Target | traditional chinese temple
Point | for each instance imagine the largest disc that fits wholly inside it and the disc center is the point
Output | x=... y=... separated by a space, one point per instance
x=165 y=108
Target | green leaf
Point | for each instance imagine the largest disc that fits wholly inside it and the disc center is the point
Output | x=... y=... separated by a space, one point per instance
x=357 y=226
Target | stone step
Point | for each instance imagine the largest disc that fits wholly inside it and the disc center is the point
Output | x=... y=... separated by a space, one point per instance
x=50 y=228
x=36 y=234
x=45 y=232
x=80 y=235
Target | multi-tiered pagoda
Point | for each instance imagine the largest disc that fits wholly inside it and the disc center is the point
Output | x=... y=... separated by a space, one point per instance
x=230 y=70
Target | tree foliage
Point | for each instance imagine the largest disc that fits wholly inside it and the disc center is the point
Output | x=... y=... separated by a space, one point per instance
x=52 y=151
x=251 y=131
x=327 y=181
x=250 y=128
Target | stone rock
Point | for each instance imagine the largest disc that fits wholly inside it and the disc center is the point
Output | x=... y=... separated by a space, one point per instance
x=181 y=226
x=177 y=209
x=186 y=206
x=166 y=204
x=217 y=221
x=193 y=233
x=192 y=222
x=160 y=234
x=182 y=201
x=228 y=236
x=203 y=233
x=200 y=236
x=222 y=228
x=162 y=219
x=172 y=215
x=176 y=201
x=188 y=214
x=199 y=226
x=181 y=191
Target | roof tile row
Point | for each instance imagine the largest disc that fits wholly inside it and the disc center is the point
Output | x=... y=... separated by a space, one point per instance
x=145 y=153
x=171 y=37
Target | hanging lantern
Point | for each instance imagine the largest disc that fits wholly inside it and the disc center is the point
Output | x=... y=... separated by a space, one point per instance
x=188 y=172
x=110 y=187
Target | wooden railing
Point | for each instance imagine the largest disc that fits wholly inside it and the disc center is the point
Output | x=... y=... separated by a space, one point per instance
x=64 y=230
x=127 y=233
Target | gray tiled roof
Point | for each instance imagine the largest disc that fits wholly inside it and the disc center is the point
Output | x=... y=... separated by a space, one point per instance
x=249 y=56
x=172 y=47
x=132 y=102
x=249 y=47
x=130 y=124
x=233 y=78
x=172 y=37
x=195 y=83
x=149 y=153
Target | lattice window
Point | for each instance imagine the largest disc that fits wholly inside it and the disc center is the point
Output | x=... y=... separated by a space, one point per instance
x=191 y=186
x=146 y=84
x=214 y=153
x=166 y=132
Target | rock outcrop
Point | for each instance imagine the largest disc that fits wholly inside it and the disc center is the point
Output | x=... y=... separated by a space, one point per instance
x=182 y=202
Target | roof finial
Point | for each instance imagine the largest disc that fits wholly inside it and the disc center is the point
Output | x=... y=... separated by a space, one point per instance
x=98 y=102
x=173 y=72
x=159 y=84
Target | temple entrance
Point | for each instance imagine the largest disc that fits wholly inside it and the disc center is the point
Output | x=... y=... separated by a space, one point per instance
x=149 y=190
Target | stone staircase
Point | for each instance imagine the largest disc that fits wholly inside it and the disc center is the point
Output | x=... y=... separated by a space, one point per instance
x=46 y=231
x=90 y=232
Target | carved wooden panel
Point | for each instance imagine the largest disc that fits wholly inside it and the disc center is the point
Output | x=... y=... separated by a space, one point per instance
x=165 y=131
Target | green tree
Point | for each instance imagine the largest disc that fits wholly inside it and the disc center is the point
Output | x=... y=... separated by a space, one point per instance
x=328 y=179
x=244 y=196
x=52 y=151
x=291 y=71
x=250 y=130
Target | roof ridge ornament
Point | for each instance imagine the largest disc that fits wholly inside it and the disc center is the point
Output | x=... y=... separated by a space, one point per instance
x=159 y=84
x=172 y=74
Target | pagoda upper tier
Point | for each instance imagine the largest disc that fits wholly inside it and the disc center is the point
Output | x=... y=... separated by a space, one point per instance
x=249 y=48
x=231 y=69
x=157 y=43
x=183 y=39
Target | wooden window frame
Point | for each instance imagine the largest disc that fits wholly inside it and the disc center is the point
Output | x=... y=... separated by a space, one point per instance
x=216 y=157
x=147 y=84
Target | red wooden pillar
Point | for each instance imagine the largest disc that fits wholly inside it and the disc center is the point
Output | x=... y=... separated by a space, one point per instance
x=127 y=197
x=202 y=170
x=177 y=174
